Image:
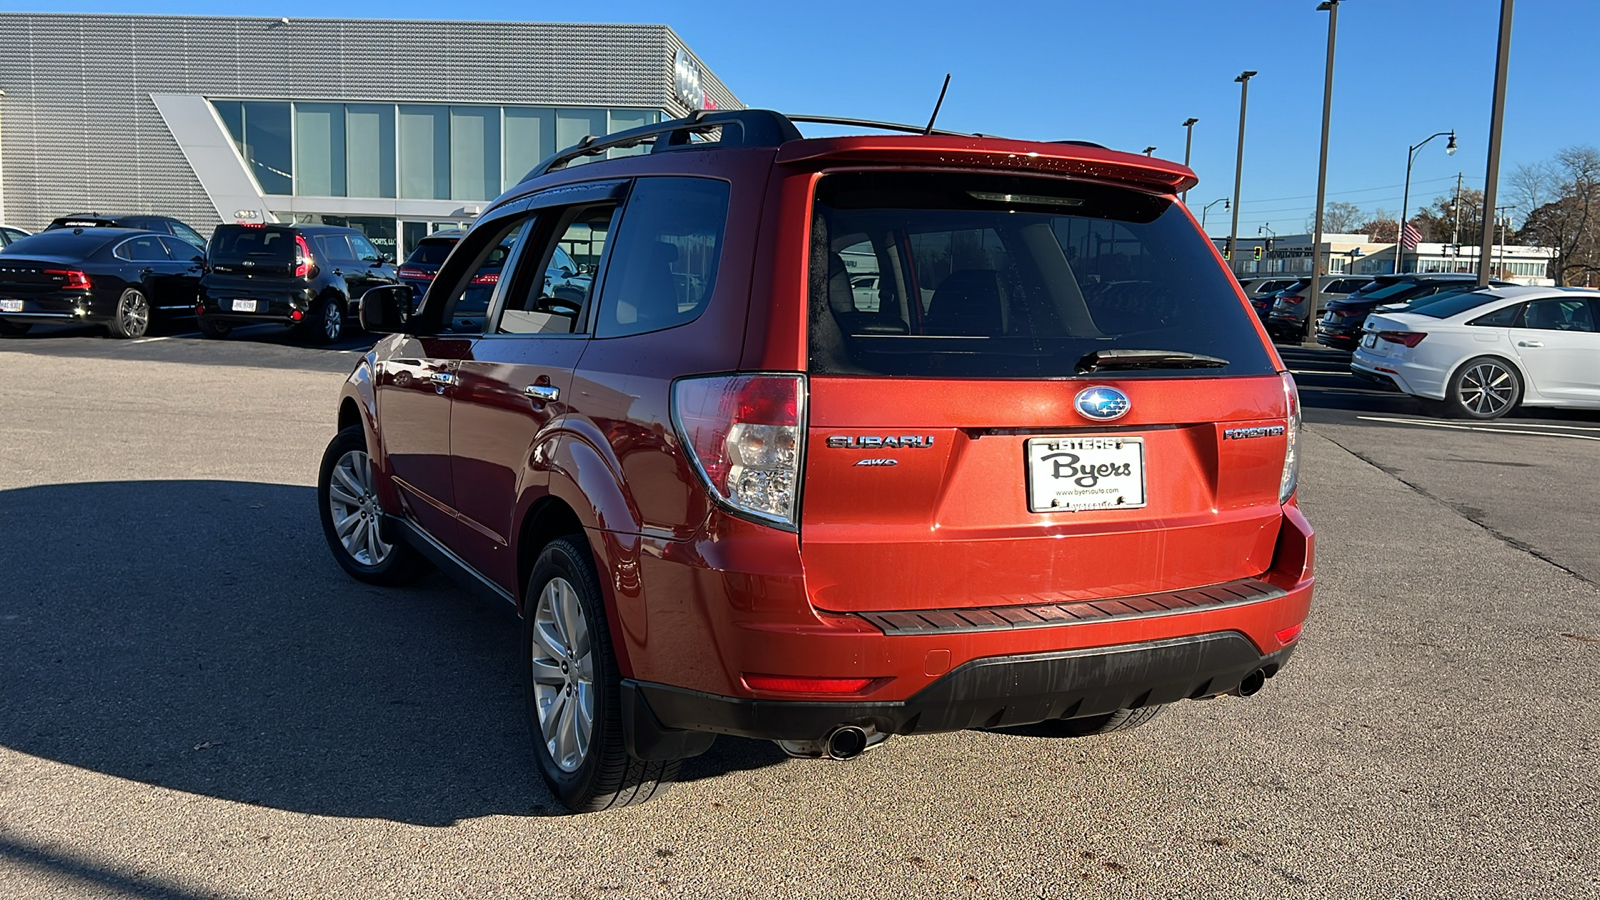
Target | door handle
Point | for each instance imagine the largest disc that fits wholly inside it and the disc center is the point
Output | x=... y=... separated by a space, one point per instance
x=544 y=393
x=1530 y=343
x=442 y=379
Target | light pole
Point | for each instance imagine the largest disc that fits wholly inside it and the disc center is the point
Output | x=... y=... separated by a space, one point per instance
x=1238 y=165
x=1315 y=299
x=1207 y=208
x=1405 y=197
x=1497 y=118
x=1188 y=143
x=1149 y=150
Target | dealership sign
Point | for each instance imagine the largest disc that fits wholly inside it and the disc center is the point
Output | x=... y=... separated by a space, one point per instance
x=686 y=79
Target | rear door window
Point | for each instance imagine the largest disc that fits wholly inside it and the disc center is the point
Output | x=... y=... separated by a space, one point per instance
x=984 y=276
x=335 y=248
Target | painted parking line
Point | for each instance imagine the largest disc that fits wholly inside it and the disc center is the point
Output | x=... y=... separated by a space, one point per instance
x=1425 y=423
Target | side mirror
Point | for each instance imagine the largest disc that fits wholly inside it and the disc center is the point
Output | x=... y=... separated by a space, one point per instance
x=387 y=309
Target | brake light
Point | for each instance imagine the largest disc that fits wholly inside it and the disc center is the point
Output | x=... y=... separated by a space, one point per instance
x=743 y=433
x=302 y=257
x=1293 y=300
x=1291 y=447
x=418 y=274
x=75 y=280
x=792 y=685
x=1409 y=338
x=486 y=278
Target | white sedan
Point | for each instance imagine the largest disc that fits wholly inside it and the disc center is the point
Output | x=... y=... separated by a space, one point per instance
x=1482 y=353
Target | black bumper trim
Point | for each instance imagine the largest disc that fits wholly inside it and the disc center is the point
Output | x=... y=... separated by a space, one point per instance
x=1073 y=612
x=984 y=693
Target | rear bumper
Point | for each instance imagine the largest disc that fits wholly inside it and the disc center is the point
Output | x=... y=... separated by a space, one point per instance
x=216 y=304
x=984 y=693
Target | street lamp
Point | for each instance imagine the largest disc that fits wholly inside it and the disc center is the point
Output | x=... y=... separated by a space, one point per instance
x=1238 y=165
x=1405 y=197
x=1497 y=118
x=1188 y=142
x=1331 y=7
x=1207 y=208
x=1149 y=150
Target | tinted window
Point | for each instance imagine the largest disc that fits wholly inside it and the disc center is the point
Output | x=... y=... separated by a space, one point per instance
x=432 y=253
x=1344 y=286
x=335 y=248
x=11 y=234
x=187 y=233
x=59 y=243
x=1446 y=306
x=1004 y=276
x=365 y=252
x=1394 y=291
x=182 y=250
x=1558 y=314
x=1296 y=287
x=143 y=249
x=664 y=265
x=543 y=301
x=470 y=302
x=236 y=243
x=1504 y=317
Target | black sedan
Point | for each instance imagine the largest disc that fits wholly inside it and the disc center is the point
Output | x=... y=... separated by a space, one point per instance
x=121 y=278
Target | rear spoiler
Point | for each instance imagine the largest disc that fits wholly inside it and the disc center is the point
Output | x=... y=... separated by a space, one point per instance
x=992 y=153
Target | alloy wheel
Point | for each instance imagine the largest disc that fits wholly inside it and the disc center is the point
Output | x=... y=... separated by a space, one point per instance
x=133 y=314
x=332 y=320
x=1487 y=389
x=355 y=509
x=563 y=674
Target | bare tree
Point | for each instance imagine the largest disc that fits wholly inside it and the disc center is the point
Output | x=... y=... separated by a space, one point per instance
x=1338 y=217
x=1568 y=221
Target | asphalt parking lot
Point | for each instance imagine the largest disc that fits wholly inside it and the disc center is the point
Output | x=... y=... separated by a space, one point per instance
x=196 y=702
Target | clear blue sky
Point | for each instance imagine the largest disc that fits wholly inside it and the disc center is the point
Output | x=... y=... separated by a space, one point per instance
x=1126 y=74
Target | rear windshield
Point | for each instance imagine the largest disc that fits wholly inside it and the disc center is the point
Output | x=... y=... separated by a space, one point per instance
x=1443 y=306
x=58 y=242
x=1298 y=286
x=432 y=253
x=236 y=243
x=997 y=276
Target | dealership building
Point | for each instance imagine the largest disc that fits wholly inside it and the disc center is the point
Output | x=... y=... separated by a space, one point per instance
x=393 y=127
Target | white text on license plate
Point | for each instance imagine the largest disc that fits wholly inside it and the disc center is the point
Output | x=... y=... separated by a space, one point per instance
x=1067 y=474
x=8 y=305
x=244 y=306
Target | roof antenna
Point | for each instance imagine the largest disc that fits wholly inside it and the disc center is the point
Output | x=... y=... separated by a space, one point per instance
x=937 y=104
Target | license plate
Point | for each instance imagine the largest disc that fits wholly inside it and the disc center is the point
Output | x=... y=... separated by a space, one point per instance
x=1370 y=341
x=1330 y=318
x=1068 y=474
x=10 y=306
x=244 y=306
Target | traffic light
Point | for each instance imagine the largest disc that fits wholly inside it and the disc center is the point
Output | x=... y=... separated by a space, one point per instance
x=1257 y=252
x=1227 y=254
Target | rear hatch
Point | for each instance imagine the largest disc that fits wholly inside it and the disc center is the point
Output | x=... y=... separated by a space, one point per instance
x=267 y=255
x=22 y=276
x=1028 y=390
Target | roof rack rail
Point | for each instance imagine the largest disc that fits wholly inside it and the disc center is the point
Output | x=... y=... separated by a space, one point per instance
x=885 y=126
x=750 y=127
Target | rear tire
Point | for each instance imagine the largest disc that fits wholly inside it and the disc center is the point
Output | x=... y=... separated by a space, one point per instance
x=212 y=328
x=1485 y=387
x=325 y=325
x=574 y=689
x=132 y=319
x=14 y=329
x=352 y=520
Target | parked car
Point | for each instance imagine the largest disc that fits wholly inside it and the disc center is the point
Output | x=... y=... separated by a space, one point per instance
x=308 y=277
x=1482 y=354
x=1340 y=326
x=730 y=494
x=9 y=235
x=565 y=276
x=123 y=279
x=159 y=224
x=1286 y=310
x=1260 y=287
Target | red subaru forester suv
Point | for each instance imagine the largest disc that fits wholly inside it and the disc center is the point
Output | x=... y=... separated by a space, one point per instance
x=848 y=437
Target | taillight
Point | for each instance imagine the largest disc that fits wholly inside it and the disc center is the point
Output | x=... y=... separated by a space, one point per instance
x=1292 y=300
x=416 y=274
x=797 y=685
x=486 y=278
x=1409 y=338
x=1291 y=447
x=302 y=257
x=75 y=280
x=743 y=433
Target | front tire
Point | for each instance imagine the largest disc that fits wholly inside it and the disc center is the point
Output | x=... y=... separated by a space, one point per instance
x=133 y=315
x=574 y=689
x=351 y=517
x=1484 y=388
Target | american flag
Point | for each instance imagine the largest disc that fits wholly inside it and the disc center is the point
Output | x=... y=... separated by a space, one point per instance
x=1410 y=237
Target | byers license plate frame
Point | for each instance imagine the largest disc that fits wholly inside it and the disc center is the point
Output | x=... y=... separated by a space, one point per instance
x=1085 y=472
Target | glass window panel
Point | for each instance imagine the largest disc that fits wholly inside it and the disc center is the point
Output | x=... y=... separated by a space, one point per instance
x=474 y=152
x=369 y=150
x=665 y=262
x=573 y=125
x=232 y=114
x=624 y=119
x=319 y=154
x=530 y=137
x=425 y=152
x=267 y=149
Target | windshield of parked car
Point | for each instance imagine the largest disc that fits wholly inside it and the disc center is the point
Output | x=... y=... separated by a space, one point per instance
x=59 y=242
x=1000 y=276
x=1445 y=305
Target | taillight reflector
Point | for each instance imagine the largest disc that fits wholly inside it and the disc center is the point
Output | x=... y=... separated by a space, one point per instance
x=789 y=684
x=1409 y=338
x=1290 y=635
x=75 y=280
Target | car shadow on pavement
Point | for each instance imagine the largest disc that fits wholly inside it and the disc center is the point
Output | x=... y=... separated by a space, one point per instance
x=197 y=635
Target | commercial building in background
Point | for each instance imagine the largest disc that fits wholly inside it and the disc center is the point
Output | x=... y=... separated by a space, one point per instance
x=1358 y=254
x=392 y=127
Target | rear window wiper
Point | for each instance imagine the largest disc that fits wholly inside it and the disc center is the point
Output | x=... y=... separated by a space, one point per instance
x=1107 y=360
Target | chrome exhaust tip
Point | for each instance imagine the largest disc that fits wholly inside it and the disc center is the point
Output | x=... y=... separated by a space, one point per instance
x=847 y=742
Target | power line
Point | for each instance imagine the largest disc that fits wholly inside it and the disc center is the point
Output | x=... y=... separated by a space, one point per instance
x=1386 y=187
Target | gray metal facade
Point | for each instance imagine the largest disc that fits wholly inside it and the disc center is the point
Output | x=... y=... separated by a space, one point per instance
x=79 y=132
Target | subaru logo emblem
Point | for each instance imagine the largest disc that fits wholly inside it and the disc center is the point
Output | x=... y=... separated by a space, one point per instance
x=1102 y=403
